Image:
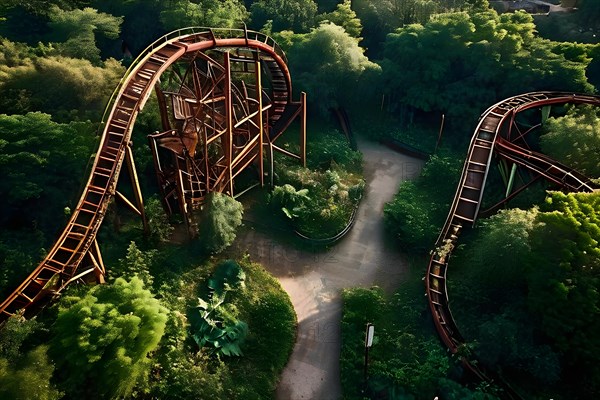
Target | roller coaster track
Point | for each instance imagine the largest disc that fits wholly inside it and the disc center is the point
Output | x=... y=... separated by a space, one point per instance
x=76 y=252
x=496 y=133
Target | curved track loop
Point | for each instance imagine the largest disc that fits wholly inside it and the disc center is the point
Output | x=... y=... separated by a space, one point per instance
x=76 y=252
x=492 y=135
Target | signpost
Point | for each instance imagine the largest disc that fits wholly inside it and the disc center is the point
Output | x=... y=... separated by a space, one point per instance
x=369 y=334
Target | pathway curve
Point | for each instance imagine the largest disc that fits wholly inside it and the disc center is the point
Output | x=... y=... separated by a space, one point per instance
x=314 y=280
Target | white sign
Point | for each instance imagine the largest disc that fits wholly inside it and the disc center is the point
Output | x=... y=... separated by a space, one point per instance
x=370 y=334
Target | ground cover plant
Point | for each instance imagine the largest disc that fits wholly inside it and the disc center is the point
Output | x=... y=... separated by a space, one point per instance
x=319 y=200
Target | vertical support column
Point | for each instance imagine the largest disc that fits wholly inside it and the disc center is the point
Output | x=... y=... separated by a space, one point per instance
x=303 y=129
x=96 y=256
x=181 y=199
x=259 y=121
x=137 y=192
x=229 y=121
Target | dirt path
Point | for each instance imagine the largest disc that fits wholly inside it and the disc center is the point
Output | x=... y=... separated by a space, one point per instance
x=313 y=281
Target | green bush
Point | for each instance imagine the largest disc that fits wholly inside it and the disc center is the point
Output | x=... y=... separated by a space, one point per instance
x=219 y=220
x=25 y=370
x=187 y=373
x=158 y=222
x=319 y=204
x=217 y=326
x=29 y=377
x=416 y=214
x=101 y=340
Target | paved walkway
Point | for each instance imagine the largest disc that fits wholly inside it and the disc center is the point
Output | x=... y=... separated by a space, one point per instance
x=314 y=280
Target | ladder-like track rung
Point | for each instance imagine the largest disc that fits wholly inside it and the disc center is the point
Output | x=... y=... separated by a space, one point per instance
x=468 y=200
x=462 y=217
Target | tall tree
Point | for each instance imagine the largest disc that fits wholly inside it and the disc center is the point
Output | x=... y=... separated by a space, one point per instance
x=219 y=221
x=295 y=15
x=75 y=31
x=335 y=81
x=458 y=61
x=345 y=17
x=213 y=13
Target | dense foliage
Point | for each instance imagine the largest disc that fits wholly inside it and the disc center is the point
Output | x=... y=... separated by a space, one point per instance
x=335 y=81
x=102 y=339
x=25 y=369
x=221 y=217
x=185 y=371
x=406 y=360
x=216 y=327
x=416 y=214
x=321 y=199
x=477 y=58
x=574 y=140
x=42 y=163
x=536 y=278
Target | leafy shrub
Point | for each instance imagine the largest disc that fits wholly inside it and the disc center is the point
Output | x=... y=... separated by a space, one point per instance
x=321 y=202
x=417 y=212
x=217 y=327
x=574 y=139
x=158 y=222
x=101 y=340
x=289 y=200
x=137 y=264
x=29 y=377
x=25 y=372
x=219 y=221
x=185 y=372
x=332 y=148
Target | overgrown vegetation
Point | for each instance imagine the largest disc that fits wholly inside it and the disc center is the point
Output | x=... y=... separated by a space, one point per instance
x=102 y=339
x=185 y=370
x=320 y=200
x=397 y=67
x=406 y=360
x=416 y=214
x=219 y=220
x=535 y=277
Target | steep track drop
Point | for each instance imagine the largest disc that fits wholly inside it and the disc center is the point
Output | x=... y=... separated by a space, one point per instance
x=496 y=133
x=76 y=253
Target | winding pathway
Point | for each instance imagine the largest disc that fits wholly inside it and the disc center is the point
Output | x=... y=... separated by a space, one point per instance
x=314 y=280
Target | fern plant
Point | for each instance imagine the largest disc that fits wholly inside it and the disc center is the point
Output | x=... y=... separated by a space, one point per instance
x=218 y=328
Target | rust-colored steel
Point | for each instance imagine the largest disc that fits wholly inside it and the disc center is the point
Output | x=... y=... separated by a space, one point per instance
x=76 y=254
x=495 y=134
x=217 y=116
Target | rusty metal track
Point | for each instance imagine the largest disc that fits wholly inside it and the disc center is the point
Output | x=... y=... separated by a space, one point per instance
x=76 y=252
x=493 y=135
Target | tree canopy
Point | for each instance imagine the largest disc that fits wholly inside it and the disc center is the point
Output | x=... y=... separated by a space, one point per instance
x=335 y=80
x=574 y=139
x=296 y=15
x=477 y=58
x=102 y=339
